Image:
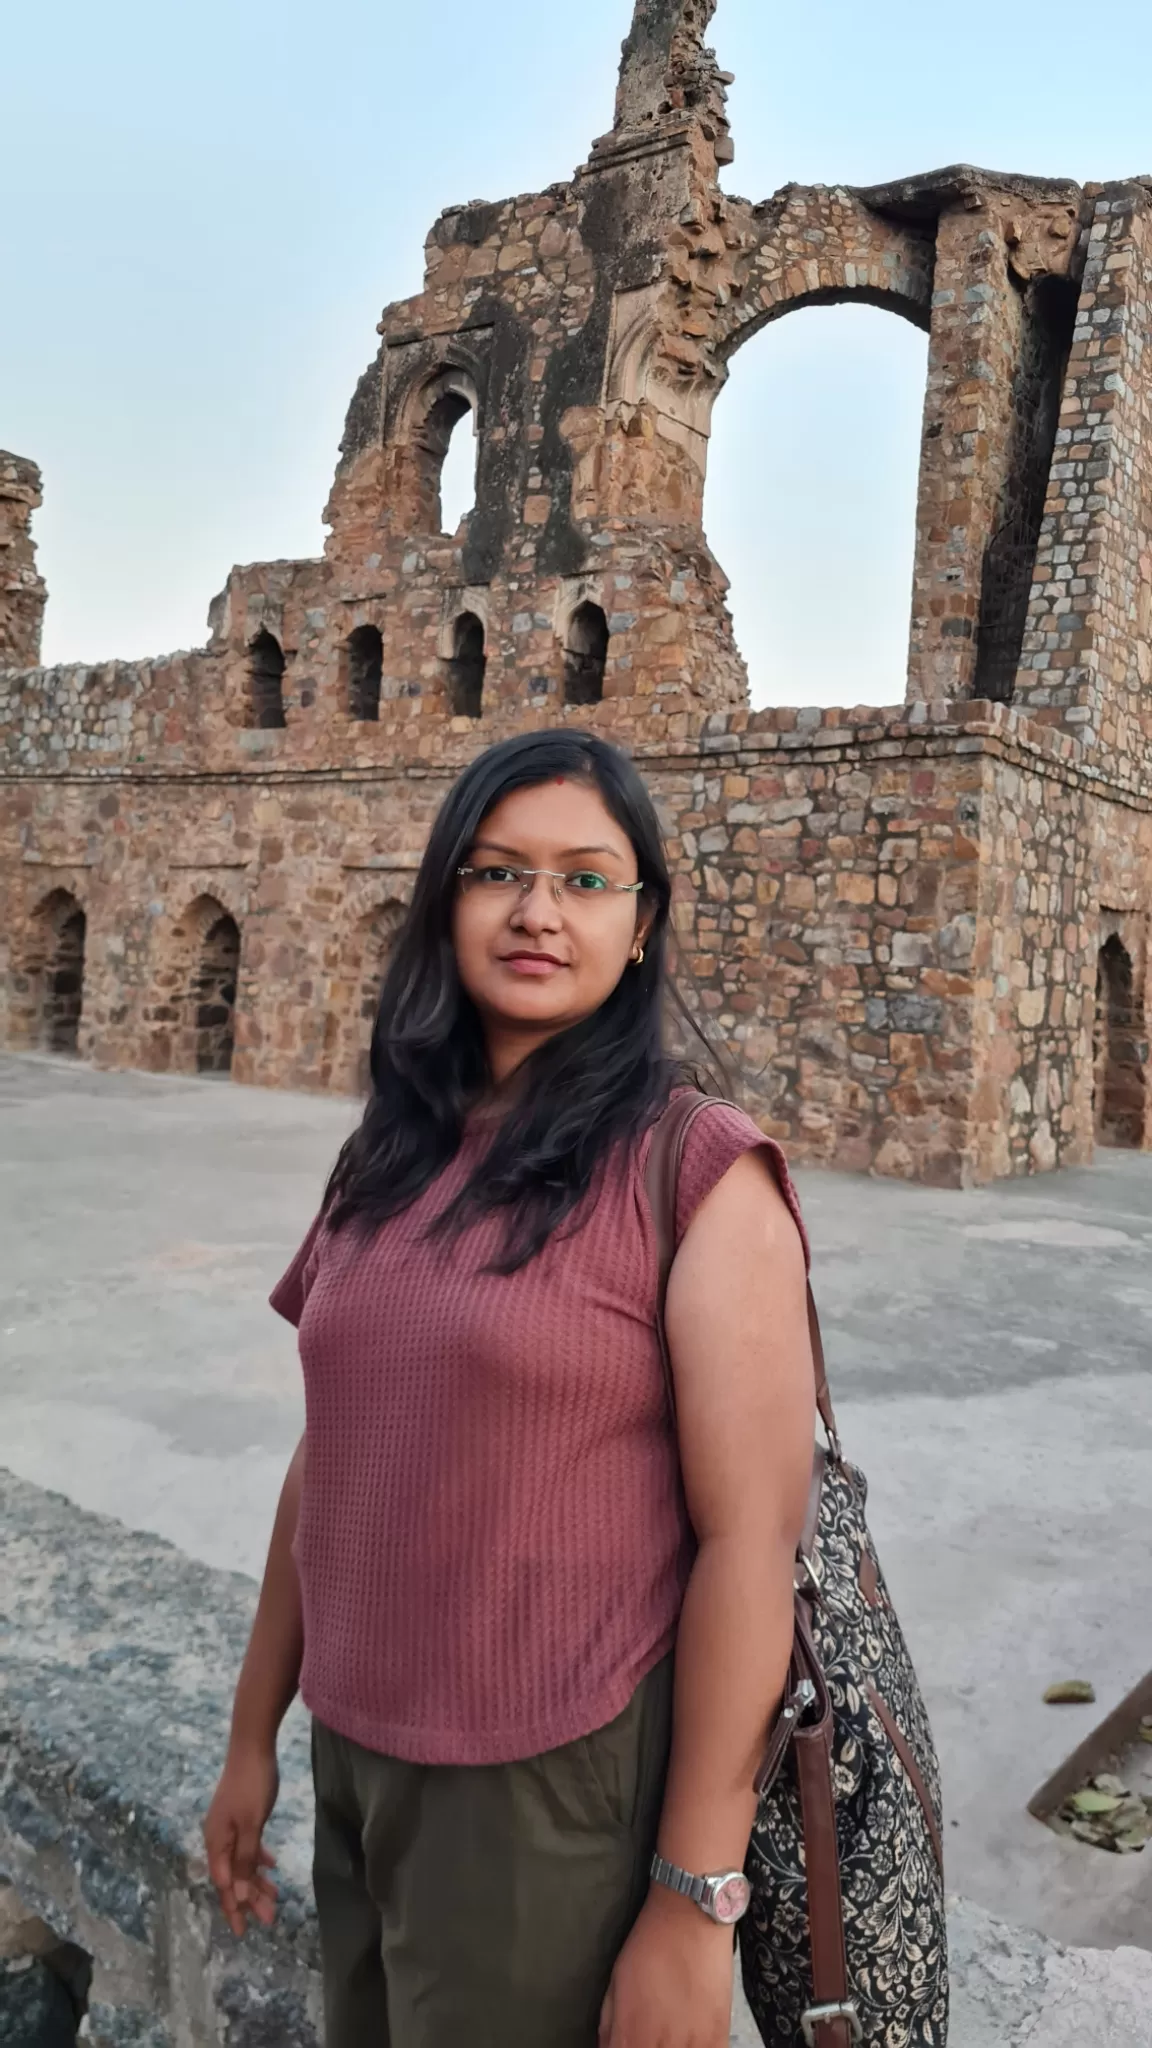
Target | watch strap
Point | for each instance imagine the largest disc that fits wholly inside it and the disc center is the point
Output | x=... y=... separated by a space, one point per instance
x=698 y=1889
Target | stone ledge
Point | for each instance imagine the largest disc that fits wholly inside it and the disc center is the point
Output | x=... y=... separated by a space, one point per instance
x=117 y=1655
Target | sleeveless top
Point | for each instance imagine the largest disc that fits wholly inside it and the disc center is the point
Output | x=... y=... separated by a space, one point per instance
x=493 y=1545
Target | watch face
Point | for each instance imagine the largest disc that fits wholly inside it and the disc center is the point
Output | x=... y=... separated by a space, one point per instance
x=732 y=1900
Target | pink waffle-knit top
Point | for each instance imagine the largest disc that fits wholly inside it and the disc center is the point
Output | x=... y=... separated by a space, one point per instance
x=492 y=1544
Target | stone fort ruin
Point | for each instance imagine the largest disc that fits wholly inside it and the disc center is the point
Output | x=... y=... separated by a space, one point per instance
x=924 y=929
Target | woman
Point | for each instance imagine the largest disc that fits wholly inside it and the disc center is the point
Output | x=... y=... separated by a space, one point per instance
x=490 y=1543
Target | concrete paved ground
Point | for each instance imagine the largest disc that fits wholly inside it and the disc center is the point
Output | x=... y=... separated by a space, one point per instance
x=990 y=1351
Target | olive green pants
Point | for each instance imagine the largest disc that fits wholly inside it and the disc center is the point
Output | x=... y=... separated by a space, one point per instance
x=484 y=1906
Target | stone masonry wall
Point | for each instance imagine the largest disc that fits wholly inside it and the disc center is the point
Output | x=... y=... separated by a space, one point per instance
x=891 y=923
x=893 y=917
x=994 y=238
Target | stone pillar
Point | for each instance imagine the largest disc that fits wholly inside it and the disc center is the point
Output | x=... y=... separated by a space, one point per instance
x=977 y=317
x=1087 y=656
x=22 y=591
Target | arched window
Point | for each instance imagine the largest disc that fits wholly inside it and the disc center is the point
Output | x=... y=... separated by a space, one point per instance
x=1120 y=1073
x=213 y=996
x=585 y=656
x=446 y=449
x=266 y=681
x=466 y=667
x=365 y=656
x=48 y=995
x=458 y=474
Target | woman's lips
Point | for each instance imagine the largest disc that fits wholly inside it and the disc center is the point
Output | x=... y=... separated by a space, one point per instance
x=537 y=964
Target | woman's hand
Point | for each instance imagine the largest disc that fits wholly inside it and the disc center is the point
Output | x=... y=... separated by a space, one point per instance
x=238 y=1862
x=672 y=1985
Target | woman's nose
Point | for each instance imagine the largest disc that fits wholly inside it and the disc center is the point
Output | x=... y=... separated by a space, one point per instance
x=538 y=909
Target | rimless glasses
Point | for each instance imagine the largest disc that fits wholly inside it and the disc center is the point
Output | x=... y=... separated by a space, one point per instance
x=504 y=883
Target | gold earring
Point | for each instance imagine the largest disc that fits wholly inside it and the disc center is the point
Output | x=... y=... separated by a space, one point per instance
x=637 y=955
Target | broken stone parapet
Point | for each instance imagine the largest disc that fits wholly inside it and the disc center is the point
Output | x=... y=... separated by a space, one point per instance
x=117 y=1660
x=22 y=591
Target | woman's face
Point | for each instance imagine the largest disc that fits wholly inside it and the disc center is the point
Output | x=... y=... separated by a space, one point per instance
x=539 y=958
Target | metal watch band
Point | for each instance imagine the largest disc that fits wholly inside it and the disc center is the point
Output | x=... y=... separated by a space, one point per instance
x=682 y=1881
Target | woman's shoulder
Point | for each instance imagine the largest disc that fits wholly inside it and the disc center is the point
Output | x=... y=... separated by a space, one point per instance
x=719 y=1134
x=290 y=1295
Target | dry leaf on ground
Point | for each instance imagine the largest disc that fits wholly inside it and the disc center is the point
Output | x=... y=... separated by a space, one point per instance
x=1108 y=1815
x=1071 y=1692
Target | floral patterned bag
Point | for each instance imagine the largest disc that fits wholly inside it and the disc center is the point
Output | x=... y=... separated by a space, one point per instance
x=845 y=1941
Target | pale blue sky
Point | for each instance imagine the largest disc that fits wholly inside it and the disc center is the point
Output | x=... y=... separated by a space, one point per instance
x=207 y=205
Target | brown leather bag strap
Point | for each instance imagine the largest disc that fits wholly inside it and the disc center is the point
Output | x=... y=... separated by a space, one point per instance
x=830 y=2015
x=823 y=1396
x=663 y=1180
x=831 y=2021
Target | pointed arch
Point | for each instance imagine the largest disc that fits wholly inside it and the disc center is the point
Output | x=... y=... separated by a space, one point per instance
x=47 y=985
x=437 y=414
x=585 y=655
x=354 y=996
x=213 y=995
x=364 y=657
x=266 y=666
x=193 y=1015
x=1120 y=1051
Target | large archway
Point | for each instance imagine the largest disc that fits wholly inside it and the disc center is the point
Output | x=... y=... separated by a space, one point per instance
x=810 y=502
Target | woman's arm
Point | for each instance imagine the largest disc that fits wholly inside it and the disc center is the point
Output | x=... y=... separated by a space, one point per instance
x=742 y=1363
x=269 y=1677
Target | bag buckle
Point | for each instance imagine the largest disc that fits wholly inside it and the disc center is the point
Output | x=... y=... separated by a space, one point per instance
x=808 y=1578
x=819 y=2016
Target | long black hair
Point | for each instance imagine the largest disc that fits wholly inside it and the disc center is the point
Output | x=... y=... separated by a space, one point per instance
x=585 y=1091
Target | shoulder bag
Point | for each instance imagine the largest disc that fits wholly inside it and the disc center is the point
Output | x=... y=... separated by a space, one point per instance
x=845 y=1941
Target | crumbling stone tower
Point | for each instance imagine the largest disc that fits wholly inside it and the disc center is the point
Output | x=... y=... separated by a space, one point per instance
x=22 y=592
x=923 y=929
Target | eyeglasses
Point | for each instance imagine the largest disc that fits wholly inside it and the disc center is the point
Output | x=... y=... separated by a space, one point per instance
x=505 y=883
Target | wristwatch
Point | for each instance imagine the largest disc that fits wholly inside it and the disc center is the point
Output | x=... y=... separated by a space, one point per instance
x=725 y=1899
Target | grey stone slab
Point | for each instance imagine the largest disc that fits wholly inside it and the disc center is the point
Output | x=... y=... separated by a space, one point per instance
x=117 y=1660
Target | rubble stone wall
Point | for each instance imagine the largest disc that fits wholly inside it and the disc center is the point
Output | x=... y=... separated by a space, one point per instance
x=892 y=922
